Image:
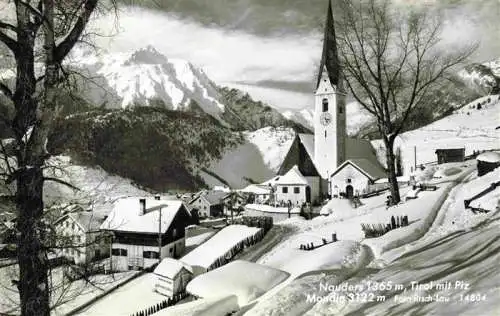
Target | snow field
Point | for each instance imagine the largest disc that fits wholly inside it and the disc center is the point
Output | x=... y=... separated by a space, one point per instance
x=246 y=280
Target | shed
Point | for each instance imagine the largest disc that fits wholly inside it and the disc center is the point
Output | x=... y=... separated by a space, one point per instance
x=172 y=276
x=450 y=155
x=487 y=162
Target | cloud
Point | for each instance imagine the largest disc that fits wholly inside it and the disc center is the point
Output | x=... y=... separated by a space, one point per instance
x=224 y=54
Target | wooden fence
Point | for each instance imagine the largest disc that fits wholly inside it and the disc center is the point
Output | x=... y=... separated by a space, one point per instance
x=228 y=256
x=159 y=306
x=377 y=230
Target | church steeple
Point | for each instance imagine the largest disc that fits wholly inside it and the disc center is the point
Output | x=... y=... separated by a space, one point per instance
x=329 y=58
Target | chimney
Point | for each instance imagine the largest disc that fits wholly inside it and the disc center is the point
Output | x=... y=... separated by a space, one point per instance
x=157 y=197
x=142 y=206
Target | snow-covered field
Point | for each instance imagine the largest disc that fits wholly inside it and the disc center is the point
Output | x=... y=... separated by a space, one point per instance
x=246 y=280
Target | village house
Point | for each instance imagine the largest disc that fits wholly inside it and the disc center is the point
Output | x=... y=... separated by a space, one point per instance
x=260 y=193
x=292 y=188
x=209 y=203
x=146 y=230
x=172 y=276
x=79 y=238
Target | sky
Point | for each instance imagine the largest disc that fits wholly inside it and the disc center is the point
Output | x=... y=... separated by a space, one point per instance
x=270 y=48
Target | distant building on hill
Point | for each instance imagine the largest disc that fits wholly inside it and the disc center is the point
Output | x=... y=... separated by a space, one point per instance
x=450 y=155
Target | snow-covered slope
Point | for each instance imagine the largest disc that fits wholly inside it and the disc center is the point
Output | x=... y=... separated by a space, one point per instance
x=147 y=77
x=96 y=188
x=257 y=159
x=467 y=128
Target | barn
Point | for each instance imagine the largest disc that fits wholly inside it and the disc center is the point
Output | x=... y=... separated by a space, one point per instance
x=450 y=155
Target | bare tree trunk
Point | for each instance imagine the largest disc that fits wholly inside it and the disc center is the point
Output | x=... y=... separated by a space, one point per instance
x=391 y=170
x=33 y=262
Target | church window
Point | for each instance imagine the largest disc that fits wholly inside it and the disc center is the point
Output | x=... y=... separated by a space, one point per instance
x=340 y=109
x=325 y=105
x=348 y=180
x=285 y=190
x=325 y=134
x=296 y=190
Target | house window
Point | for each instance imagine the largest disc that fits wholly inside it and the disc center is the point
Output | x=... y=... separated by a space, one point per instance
x=325 y=105
x=119 y=252
x=284 y=190
x=296 y=190
x=174 y=233
x=150 y=254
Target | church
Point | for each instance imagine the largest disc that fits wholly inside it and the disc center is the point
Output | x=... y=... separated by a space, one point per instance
x=333 y=164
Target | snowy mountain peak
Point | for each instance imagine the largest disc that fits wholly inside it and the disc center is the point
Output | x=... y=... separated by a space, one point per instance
x=146 y=77
x=147 y=55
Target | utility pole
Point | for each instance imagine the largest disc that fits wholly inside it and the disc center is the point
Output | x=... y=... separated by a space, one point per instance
x=159 y=238
x=415 y=157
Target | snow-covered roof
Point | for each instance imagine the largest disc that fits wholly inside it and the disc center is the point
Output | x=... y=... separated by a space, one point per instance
x=88 y=221
x=246 y=280
x=217 y=246
x=372 y=171
x=221 y=188
x=256 y=189
x=293 y=176
x=170 y=267
x=126 y=216
x=212 y=197
x=490 y=156
x=308 y=141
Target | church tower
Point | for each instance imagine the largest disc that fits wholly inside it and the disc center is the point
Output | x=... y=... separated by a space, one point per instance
x=330 y=111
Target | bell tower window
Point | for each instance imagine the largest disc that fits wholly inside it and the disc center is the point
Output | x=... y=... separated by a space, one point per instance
x=325 y=105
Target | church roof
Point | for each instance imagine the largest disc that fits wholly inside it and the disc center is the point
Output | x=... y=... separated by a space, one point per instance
x=355 y=148
x=329 y=58
x=308 y=141
x=293 y=176
x=372 y=170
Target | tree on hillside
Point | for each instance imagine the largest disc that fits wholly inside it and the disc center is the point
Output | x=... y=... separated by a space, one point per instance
x=392 y=60
x=36 y=33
